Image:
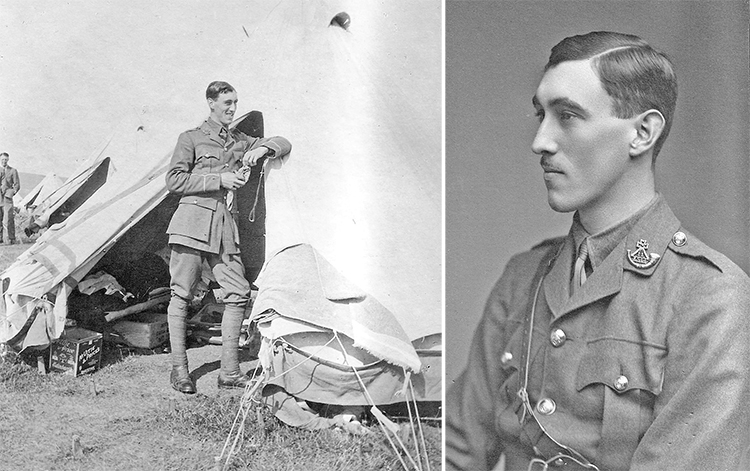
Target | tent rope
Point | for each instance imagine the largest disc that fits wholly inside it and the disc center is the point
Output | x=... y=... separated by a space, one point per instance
x=419 y=424
x=374 y=406
x=248 y=396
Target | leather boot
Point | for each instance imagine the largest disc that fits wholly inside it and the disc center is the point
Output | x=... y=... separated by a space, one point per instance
x=181 y=381
x=232 y=380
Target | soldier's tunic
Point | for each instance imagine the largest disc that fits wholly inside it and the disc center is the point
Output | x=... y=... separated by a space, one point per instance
x=644 y=367
x=202 y=224
x=10 y=184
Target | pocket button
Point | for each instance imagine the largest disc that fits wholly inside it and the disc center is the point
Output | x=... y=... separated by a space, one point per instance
x=621 y=383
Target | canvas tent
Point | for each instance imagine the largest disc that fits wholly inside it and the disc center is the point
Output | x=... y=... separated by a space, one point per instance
x=40 y=192
x=64 y=200
x=352 y=218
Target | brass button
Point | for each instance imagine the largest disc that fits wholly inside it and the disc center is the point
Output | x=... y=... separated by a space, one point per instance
x=558 y=462
x=621 y=383
x=679 y=239
x=557 y=337
x=546 y=406
x=506 y=357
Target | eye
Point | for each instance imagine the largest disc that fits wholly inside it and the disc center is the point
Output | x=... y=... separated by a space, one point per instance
x=567 y=116
x=539 y=114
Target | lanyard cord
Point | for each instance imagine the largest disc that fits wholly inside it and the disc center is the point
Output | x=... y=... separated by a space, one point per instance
x=523 y=391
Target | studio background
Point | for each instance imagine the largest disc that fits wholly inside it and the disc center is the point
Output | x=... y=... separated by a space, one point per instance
x=496 y=202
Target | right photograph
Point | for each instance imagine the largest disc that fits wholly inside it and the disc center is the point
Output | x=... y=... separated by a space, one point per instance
x=597 y=225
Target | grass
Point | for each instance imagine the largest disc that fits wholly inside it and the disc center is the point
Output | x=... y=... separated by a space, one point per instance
x=125 y=417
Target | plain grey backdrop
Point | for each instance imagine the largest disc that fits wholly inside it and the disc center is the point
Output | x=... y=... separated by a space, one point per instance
x=495 y=198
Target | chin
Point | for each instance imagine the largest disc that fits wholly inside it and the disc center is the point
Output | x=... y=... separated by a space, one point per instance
x=559 y=204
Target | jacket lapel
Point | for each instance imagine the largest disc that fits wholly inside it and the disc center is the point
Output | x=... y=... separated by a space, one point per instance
x=655 y=228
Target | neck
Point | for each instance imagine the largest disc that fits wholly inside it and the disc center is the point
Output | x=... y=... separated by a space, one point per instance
x=621 y=202
x=217 y=121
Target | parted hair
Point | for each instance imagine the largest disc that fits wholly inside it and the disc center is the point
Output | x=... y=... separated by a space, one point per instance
x=217 y=88
x=635 y=75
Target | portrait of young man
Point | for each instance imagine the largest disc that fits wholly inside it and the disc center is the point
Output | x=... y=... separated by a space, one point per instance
x=614 y=337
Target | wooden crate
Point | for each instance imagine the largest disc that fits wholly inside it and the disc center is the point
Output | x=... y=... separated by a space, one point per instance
x=143 y=330
x=78 y=351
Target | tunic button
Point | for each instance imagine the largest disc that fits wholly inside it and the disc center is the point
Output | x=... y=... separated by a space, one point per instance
x=546 y=406
x=559 y=462
x=557 y=337
x=506 y=357
x=621 y=383
x=679 y=239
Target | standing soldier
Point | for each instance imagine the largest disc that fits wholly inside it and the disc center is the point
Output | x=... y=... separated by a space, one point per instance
x=10 y=184
x=203 y=172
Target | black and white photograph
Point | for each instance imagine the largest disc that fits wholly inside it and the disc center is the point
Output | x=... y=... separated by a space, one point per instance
x=597 y=231
x=223 y=235
x=360 y=235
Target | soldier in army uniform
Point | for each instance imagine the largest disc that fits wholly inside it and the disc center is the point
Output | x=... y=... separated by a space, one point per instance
x=203 y=171
x=622 y=345
x=10 y=185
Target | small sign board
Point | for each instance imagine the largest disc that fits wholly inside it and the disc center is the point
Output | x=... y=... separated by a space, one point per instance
x=78 y=351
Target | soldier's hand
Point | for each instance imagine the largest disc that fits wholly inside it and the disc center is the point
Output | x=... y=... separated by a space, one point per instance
x=252 y=156
x=231 y=181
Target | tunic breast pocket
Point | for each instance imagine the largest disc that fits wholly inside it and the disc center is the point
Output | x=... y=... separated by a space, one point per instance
x=622 y=365
x=206 y=154
x=626 y=375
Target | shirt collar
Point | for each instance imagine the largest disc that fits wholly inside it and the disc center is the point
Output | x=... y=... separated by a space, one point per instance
x=216 y=127
x=602 y=243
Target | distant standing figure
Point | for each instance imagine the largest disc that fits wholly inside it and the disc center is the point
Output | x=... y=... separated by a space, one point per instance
x=203 y=171
x=10 y=184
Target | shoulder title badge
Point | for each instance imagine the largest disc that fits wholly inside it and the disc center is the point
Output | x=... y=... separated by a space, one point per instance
x=640 y=258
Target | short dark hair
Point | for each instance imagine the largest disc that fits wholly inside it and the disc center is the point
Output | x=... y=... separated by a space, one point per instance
x=635 y=75
x=217 y=88
x=4 y=154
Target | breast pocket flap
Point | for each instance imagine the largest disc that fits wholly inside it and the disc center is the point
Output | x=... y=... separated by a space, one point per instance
x=622 y=365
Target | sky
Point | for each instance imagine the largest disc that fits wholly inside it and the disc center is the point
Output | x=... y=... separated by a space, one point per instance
x=70 y=71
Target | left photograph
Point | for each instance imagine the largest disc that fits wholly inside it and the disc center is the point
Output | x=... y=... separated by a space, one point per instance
x=222 y=235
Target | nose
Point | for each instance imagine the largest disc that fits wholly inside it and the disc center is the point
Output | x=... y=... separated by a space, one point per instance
x=544 y=142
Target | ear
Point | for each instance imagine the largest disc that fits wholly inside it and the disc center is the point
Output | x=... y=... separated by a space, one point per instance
x=211 y=103
x=648 y=127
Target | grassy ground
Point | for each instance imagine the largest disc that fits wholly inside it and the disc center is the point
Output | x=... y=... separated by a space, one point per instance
x=126 y=417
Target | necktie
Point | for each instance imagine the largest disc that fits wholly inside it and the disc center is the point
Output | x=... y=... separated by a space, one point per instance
x=582 y=268
x=223 y=133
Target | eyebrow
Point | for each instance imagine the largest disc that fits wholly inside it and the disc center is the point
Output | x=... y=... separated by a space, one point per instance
x=562 y=102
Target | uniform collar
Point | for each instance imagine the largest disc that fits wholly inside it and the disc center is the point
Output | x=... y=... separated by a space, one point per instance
x=602 y=243
x=211 y=129
x=655 y=226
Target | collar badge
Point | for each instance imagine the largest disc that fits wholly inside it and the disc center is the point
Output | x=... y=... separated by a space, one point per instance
x=640 y=258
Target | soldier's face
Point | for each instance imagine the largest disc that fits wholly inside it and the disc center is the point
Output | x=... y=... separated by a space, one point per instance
x=223 y=108
x=4 y=161
x=583 y=145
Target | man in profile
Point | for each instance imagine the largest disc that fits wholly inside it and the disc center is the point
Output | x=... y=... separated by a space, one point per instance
x=623 y=344
x=10 y=184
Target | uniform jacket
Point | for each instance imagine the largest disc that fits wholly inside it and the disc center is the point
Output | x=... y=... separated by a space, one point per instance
x=652 y=373
x=201 y=220
x=10 y=184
